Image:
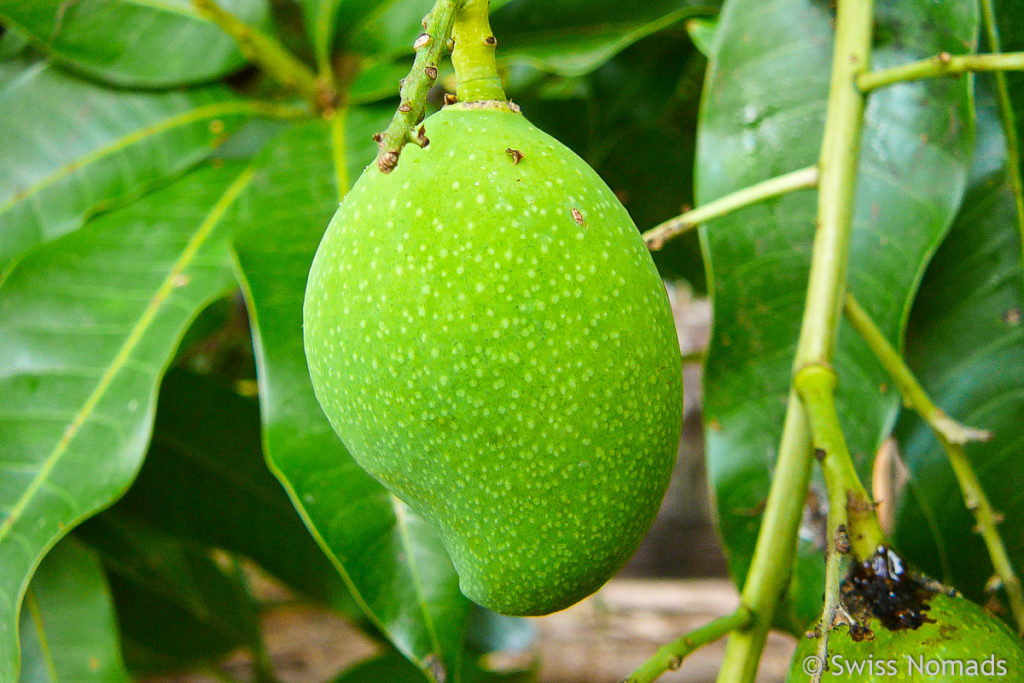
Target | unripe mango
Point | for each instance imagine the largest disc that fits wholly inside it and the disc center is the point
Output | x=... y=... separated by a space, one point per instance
x=960 y=642
x=489 y=337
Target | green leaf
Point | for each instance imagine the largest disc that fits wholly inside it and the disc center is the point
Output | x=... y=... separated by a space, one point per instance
x=576 y=36
x=762 y=115
x=87 y=324
x=382 y=28
x=138 y=43
x=702 y=33
x=68 y=628
x=965 y=341
x=12 y=44
x=393 y=561
x=391 y=667
x=204 y=479
x=378 y=81
x=72 y=148
x=176 y=606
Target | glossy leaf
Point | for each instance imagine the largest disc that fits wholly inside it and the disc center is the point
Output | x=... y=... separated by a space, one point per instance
x=133 y=42
x=176 y=606
x=965 y=341
x=762 y=115
x=577 y=36
x=87 y=325
x=393 y=561
x=71 y=147
x=204 y=479
x=68 y=628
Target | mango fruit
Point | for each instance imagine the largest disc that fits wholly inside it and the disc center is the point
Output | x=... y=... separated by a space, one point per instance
x=958 y=641
x=489 y=337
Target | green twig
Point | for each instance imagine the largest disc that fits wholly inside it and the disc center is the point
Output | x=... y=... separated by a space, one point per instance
x=776 y=542
x=816 y=385
x=430 y=47
x=1008 y=118
x=267 y=53
x=943 y=64
x=656 y=237
x=951 y=435
x=852 y=524
x=671 y=655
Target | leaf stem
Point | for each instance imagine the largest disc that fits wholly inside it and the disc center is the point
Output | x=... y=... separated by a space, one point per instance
x=671 y=655
x=913 y=393
x=430 y=47
x=1008 y=118
x=943 y=64
x=951 y=435
x=271 y=56
x=776 y=542
x=656 y=237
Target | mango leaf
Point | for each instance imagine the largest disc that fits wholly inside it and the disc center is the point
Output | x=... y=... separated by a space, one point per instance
x=68 y=628
x=87 y=325
x=382 y=28
x=1011 y=38
x=12 y=44
x=205 y=479
x=393 y=561
x=176 y=606
x=133 y=42
x=965 y=341
x=392 y=667
x=762 y=115
x=576 y=36
x=71 y=148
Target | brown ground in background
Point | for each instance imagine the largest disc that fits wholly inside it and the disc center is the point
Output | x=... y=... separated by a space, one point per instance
x=599 y=640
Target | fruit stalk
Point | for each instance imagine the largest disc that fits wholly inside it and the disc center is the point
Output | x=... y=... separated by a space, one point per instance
x=671 y=655
x=476 y=72
x=267 y=53
x=656 y=237
x=943 y=64
x=852 y=524
x=430 y=47
x=951 y=435
x=773 y=554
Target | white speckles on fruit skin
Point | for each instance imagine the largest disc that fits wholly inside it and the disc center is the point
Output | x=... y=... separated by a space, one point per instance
x=510 y=373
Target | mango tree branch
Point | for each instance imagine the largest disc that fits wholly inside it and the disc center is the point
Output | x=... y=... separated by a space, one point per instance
x=776 y=542
x=1008 y=118
x=951 y=435
x=656 y=237
x=816 y=386
x=671 y=655
x=272 y=57
x=430 y=47
x=943 y=64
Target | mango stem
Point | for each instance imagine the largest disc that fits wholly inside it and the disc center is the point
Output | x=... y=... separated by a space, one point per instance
x=476 y=72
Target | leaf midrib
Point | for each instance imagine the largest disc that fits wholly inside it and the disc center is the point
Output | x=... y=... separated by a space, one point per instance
x=178 y=120
x=123 y=354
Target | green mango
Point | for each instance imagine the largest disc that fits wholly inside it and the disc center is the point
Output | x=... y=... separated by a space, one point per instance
x=960 y=642
x=489 y=337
